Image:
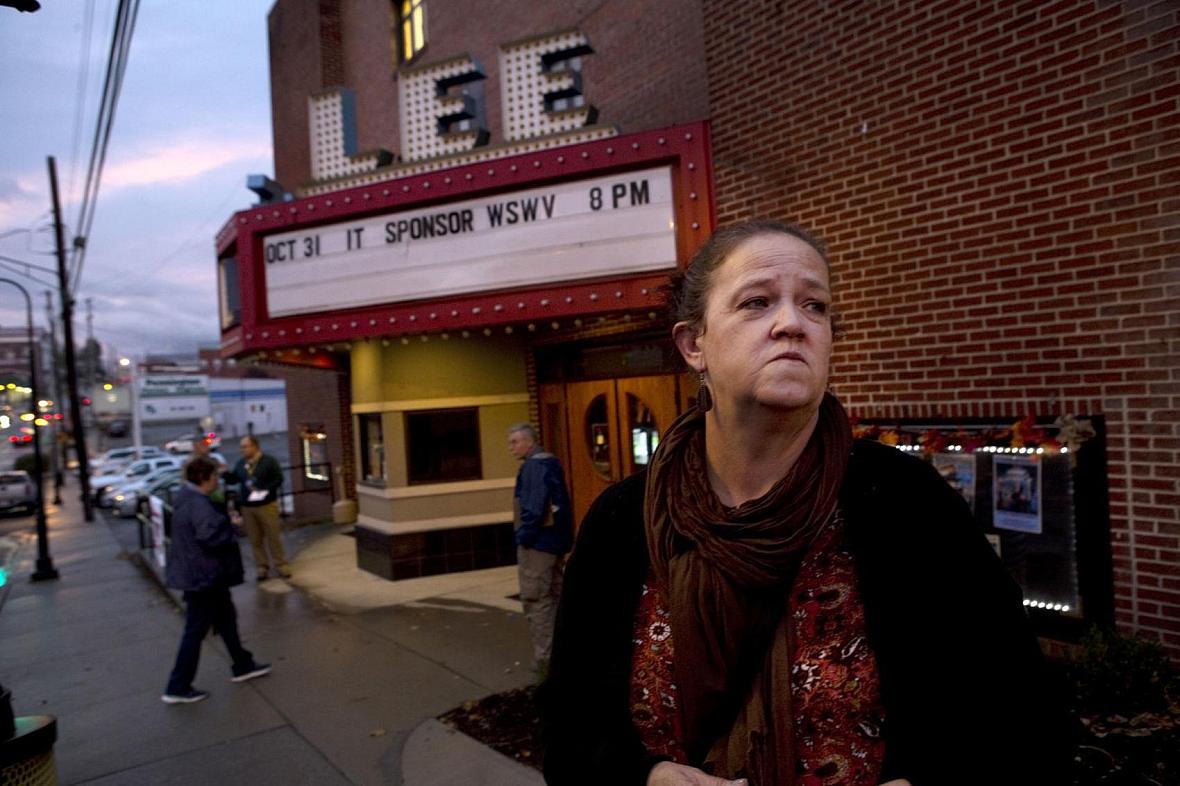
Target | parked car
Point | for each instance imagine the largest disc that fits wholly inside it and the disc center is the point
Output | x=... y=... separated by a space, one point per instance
x=184 y=443
x=17 y=491
x=113 y=460
x=124 y=499
x=140 y=468
x=164 y=489
x=117 y=428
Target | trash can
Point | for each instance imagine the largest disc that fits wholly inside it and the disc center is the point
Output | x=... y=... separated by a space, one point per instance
x=26 y=747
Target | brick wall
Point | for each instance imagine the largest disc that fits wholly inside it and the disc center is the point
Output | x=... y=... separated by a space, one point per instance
x=646 y=72
x=1000 y=186
x=296 y=72
x=319 y=396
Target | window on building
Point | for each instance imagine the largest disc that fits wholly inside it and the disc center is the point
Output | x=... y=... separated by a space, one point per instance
x=315 y=455
x=372 y=442
x=229 y=295
x=443 y=445
x=412 y=24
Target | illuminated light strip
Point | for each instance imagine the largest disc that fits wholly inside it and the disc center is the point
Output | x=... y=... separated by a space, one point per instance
x=984 y=449
x=1040 y=604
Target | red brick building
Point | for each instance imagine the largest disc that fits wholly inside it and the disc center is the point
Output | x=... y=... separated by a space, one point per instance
x=482 y=216
x=1000 y=186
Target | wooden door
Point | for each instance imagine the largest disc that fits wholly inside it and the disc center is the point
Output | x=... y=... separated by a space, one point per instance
x=594 y=458
x=554 y=421
x=611 y=427
x=646 y=406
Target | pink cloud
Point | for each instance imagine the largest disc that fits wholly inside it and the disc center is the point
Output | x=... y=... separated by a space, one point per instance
x=180 y=161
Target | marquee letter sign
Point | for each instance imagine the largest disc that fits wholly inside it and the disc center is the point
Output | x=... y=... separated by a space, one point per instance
x=541 y=85
x=441 y=106
x=441 y=109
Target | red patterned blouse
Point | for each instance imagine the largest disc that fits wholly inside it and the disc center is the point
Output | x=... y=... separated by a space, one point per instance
x=838 y=710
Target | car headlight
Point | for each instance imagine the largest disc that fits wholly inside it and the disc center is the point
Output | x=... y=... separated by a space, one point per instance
x=118 y=498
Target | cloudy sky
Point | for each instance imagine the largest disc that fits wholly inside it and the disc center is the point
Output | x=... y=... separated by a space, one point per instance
x=193 y=121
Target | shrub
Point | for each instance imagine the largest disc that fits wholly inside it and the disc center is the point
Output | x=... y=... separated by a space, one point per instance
x=1123 y=674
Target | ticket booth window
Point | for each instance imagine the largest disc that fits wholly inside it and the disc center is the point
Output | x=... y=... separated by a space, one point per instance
x=372 y=444
x=442 y=445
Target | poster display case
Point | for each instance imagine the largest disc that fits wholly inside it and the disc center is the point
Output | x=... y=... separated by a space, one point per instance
x=1038 y=489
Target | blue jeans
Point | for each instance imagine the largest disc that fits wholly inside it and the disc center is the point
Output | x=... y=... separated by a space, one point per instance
x=212 y=608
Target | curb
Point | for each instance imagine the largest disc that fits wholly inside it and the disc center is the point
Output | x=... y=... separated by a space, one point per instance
x=437 y=755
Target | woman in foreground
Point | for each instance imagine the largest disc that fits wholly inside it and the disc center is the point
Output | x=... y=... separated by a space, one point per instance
x=770 y=602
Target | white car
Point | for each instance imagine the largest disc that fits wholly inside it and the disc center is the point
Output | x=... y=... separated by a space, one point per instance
x=124 y=499
x=184 y=443
x=17 y=490
x=141 y=468
x=113 y=460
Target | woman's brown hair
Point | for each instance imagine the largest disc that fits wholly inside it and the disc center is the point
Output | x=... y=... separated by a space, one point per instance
x=688 y=289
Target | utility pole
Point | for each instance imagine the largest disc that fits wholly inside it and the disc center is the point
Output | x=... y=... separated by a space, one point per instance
x=60 y=457
x=91 y=372
x=67 y=325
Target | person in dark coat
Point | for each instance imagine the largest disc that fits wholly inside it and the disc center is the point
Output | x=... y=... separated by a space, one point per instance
x=544 y=533
x=260 y=479
x=204 y=562
x=773 y=603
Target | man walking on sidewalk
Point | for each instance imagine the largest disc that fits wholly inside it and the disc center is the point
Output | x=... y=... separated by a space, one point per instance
x=544 y=532
x=204 y=562
x=260 y=477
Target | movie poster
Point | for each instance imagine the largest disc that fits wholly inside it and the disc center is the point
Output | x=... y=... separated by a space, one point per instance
x=958 y=470
x=1017 y=494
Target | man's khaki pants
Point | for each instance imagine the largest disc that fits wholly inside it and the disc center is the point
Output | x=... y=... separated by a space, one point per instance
x=540 y=588
x=262 y=523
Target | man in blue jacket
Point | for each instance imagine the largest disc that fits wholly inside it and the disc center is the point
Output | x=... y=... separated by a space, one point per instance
x=544 y=532
x=204 y=562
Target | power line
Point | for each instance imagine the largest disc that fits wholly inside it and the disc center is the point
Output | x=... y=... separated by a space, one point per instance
x=84 y=202
x=21 y=271
x=125 y=18
x=83 y=82
x=199 y=235
x=25 y=264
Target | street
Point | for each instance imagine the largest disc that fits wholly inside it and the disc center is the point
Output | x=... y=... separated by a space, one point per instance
x=358 y=676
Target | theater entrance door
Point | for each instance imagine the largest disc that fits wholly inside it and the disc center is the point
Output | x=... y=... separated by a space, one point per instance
x=606 y=429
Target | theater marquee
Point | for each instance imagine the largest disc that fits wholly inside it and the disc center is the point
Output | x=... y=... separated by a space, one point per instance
x=605 y=226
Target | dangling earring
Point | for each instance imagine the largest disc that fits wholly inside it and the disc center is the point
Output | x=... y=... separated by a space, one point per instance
x=704 y=396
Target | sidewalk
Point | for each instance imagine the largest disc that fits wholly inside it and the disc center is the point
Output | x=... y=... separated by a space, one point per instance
x=361 y=668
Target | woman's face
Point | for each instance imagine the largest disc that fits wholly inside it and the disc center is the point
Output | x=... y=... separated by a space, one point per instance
x=767 y=333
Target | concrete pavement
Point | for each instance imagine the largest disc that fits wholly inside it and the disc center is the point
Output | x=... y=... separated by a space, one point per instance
x=361 y=666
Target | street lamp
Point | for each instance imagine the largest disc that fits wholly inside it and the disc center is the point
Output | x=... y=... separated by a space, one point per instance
x=45 y=569
x=136 y=425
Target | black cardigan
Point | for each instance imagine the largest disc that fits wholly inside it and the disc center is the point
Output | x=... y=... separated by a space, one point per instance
x=966 y=695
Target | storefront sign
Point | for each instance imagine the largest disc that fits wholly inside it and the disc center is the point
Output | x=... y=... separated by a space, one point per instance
x=175 y=397
x=600 y=227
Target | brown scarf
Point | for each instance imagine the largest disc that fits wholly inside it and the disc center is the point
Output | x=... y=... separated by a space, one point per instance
x=727 y=573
